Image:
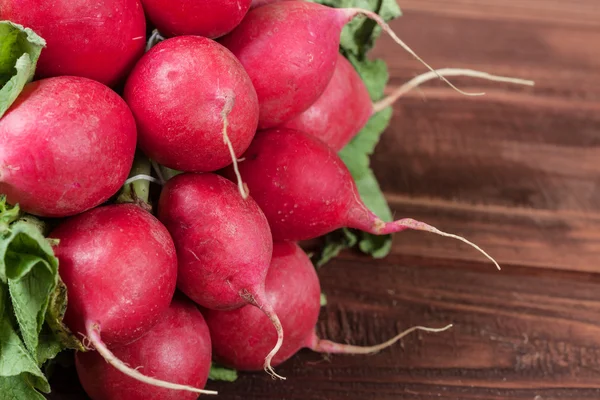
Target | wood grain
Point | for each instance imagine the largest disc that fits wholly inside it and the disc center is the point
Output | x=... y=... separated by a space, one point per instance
x=518 y=172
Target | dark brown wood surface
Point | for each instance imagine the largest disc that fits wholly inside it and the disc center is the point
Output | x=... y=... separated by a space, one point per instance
x=518 y=172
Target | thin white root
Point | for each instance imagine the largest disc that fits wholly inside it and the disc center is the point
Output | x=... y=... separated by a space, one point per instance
x=142 y=177
x=427 y=76
x=157 y=170
x=267 y=365
x=386 y=28
x=421 y=226
x=94 y=337
x=327 y=346
x=154 y=39
x=224 y=113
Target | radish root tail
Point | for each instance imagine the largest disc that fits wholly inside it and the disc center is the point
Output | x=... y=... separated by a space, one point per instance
x=94 y=337
x=229 y=101
x=386 y=28
x=382 y=228
x=327 y=346
x=260 y=302
x=427 y=76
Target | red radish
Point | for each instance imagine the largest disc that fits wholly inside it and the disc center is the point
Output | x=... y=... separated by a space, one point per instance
x=239 y=337
x=345 y=106
x=194 y=104
x=289 y=49
x=177 y=349
x=97 y=39
x=258 y=3
x=305 y=190
x=192 y=17
x=119 y=265
x=223 y=243
x=342 y=110
x=66 y=145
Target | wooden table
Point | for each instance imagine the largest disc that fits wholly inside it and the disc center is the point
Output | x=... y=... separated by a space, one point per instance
x=516 y=171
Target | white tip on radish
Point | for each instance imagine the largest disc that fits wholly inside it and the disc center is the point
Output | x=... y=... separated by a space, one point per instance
x=259 y=301
x=93 y=336
x=327 y=346
x=380 y=227
x=427 y=76
x=229 y=101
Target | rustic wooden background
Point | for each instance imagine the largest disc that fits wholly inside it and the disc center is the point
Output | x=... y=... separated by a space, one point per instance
x=518 y=172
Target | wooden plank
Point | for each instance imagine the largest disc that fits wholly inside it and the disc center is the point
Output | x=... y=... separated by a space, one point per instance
x=518 y=170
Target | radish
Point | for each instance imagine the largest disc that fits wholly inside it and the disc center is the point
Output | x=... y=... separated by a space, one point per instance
x=239 y=337
x=340 y=112
x=289 y=49
x=305 y=190
x=119 y=265
x=97 y=39
x=192 y=17
x=177 y=349
x=194 y=104
x=223 y=246
x=345 y=106
x=66 y=145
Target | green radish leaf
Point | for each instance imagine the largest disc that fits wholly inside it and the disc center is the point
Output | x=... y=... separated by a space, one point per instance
x=20 y=374
x=32 y=304
x=218 y=373
x=28 y=265
x=335 y=242
x=323 y=300
x=18 y=388
x=20 y=49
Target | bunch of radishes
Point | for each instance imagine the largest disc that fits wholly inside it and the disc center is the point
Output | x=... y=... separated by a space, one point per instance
x=228 y=220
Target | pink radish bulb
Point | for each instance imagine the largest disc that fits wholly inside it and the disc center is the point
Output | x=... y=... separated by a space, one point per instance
x=305 y=190
x=177 y=349
x=289 y=53
x=223 y=243
x=96 y=39
x=119 y=265
x=194 y=104
x=66 y=145
x=120 y=268
x=345 y=106
x=340 y=112
x=290 y=49
x=239 y=336
x=210 y=19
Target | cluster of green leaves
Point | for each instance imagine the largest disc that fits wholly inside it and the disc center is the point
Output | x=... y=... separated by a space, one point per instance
x=20 y=49
x=32 y=305
x=358 y=37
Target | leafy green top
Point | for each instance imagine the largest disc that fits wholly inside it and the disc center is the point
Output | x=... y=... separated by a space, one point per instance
x=20 y=49
x=32 y=305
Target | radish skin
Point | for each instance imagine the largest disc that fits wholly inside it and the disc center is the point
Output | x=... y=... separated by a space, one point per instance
x=239 y=336
x=305 y=190
x=210 y=19
x=183 y=93
x=345 y=106
x=100 y=40
x=224 y=246
x=66 y=145
x=119 y=265
x=290 y=50
x=177 y=349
